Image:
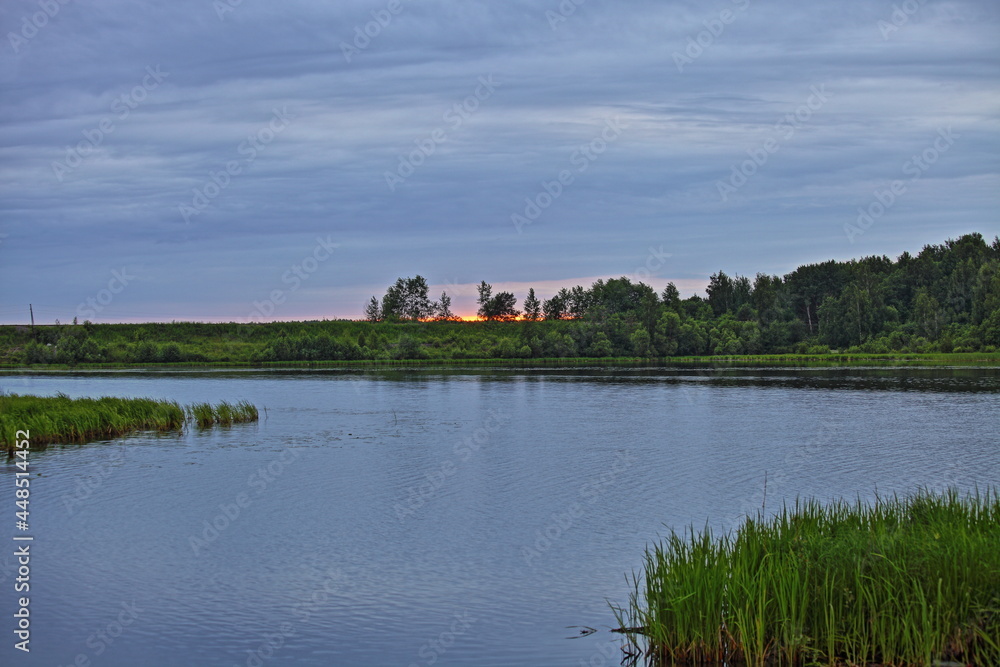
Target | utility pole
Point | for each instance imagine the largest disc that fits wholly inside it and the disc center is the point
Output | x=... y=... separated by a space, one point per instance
x=32 y=311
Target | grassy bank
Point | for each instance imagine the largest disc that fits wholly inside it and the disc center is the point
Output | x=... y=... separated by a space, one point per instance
x=968 y=359
x=55 y=419
x=904 y=582
x=367 y=343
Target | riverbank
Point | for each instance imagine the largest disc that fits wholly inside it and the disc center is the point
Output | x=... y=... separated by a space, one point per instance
x=58 y=419
x=675 y=339
x=905 y=582
x=971 y=359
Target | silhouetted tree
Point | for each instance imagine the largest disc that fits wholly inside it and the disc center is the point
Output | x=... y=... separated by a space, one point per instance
x=373 y=311
x=443 y=308
x=532 y=306
x=500 y=307
x=407 y=298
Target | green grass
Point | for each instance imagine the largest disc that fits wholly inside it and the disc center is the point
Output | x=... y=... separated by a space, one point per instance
x=975 y=359
x=56 y=419
x=365 y=344
x=226 y=414
x=902 y=582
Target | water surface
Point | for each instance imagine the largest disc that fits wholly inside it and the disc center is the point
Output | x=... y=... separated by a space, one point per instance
x=443 y=517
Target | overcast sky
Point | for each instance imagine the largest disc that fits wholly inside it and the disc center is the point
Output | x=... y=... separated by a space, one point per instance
x=253 y=159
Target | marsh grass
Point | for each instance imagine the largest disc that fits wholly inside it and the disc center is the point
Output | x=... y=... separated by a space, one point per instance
x=57 y=419
x=901 y=582
x=224 y=414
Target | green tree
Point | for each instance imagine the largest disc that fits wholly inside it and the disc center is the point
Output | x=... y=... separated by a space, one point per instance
x=532 y=306
x=485 y=294
x=408 y=347
x=692 y=338
x=556 y=307
x=726 y=294
x=501 y=307
x=808 y=286
x=443 y=308
x=601 y=346
x=559 y=345
x=667 y=332
x=578 y=302
x=765 y=297
x=407 y=298
x=986 y=294
x=373 y=311
x=641 y=343
x=927 y=314
x=671 y=297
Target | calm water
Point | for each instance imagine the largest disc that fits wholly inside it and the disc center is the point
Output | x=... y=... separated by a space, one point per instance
x=442 y=517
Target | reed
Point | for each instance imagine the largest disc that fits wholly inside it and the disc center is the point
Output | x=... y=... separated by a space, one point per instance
x=906 y=581
x=225 y=413
x=56 y=419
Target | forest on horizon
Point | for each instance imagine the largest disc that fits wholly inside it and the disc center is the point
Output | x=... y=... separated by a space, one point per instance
x=944 y=299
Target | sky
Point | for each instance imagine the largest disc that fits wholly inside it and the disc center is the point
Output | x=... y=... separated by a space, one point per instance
x=246 y=160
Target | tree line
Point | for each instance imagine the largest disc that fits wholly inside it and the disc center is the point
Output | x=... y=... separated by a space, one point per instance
x=946 y=298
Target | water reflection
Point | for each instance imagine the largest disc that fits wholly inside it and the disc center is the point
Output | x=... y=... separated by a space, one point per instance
x=515 y=501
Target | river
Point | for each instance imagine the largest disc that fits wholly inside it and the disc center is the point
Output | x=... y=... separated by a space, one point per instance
x=442 y=517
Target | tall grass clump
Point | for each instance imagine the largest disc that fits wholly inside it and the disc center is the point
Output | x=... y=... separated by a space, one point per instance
x=910 y=581
x=56 y=419
x=224 y=413
x=202 y=414
x=52 y=419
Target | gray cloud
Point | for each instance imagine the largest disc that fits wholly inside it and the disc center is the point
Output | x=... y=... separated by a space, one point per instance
x=698 y=91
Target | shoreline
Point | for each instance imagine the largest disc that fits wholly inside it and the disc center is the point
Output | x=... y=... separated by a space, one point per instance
x=916 y=360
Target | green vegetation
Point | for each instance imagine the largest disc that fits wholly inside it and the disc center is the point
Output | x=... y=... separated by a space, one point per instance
x=903 y=582
x=944 y=300
x=54 y=419
x=226 y=414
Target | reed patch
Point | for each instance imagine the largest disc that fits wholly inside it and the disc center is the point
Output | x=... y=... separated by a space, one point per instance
x=906 y=581
x=60 y=419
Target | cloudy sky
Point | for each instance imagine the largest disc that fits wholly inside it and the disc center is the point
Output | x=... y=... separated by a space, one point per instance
x=248 y=159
